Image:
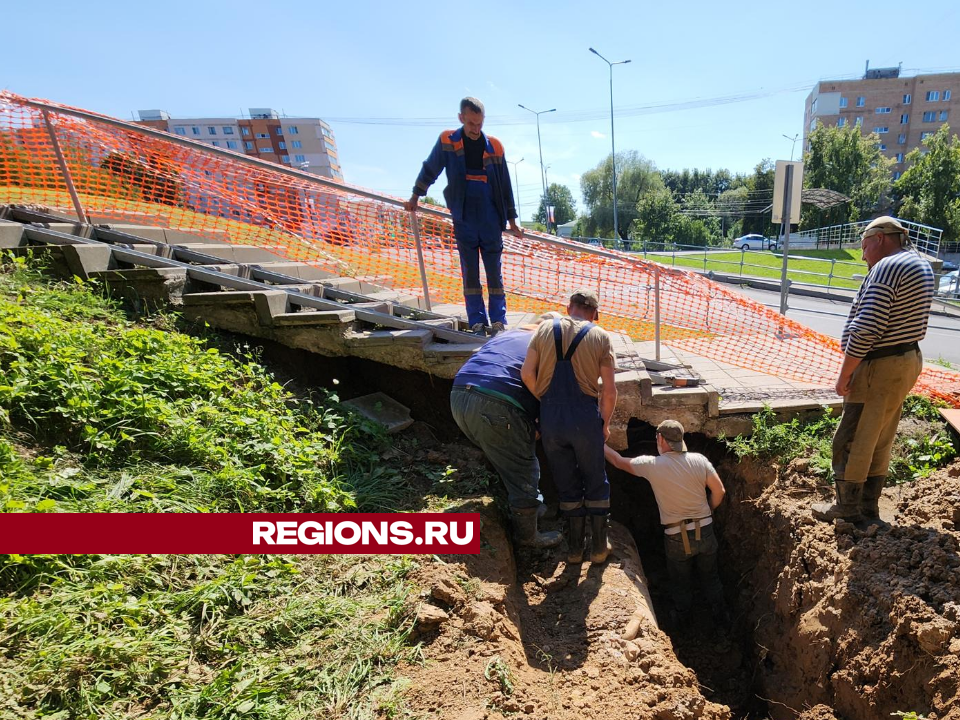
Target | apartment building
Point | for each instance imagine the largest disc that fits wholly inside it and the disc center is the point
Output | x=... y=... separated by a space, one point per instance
x=304 y=143
x=901 y=110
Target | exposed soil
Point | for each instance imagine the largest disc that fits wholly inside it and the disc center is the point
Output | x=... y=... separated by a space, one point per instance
x=863 y=622
x=830 y=622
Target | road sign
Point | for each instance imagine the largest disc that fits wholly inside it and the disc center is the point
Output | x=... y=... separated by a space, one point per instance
x=796 y=185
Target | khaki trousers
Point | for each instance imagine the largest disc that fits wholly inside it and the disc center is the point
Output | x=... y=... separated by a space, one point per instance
x=871 y=412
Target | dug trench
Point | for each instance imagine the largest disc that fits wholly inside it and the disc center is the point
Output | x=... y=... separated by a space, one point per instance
x=828 y=621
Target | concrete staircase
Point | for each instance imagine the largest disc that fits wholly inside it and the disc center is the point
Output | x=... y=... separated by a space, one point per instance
x=251 y=291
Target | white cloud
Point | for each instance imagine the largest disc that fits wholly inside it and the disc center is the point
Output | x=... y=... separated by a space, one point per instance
x=492 y=86
x=598 y=135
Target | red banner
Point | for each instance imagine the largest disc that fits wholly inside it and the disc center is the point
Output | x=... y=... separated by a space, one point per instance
x=237 y=533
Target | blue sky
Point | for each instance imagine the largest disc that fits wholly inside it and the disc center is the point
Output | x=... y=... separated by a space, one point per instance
x=356 y=63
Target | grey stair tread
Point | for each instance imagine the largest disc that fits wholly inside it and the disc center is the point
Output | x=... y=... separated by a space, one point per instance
x=438 y=349
x=388 y=337
x=322 y=317
x=450 y=323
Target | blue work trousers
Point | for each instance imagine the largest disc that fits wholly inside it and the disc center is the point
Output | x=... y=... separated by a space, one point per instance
x=480 y=236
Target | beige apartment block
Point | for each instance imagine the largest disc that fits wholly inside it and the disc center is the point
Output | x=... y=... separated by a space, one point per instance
x=303 y=143
x=902 y=110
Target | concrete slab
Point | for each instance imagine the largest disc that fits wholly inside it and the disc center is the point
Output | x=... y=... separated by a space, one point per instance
x=11 y=234
x=389 y=337
x=383 y=409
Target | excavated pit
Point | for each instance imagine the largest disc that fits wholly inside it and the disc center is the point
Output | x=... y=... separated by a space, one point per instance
x=828 y=621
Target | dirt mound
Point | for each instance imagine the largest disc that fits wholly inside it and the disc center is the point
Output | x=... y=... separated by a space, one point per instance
x=865 y=622
x=544 y=640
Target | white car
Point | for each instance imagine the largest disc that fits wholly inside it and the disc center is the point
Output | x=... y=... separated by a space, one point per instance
x=753 y=242
x=949 y=284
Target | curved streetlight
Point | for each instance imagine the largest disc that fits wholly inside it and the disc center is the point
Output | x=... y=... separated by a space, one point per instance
x=543 y=181
x=794 y=141
x=517 y=176
x=613 y=145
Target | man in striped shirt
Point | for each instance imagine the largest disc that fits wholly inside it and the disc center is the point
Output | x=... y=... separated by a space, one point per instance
x=881 y=363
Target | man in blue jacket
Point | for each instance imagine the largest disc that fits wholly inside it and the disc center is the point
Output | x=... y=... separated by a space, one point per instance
x=480 y=198
x=498 y=414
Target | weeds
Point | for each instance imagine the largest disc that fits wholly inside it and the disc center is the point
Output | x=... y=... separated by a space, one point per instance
x=102 y=414
x=499 y=672
x=922 y=445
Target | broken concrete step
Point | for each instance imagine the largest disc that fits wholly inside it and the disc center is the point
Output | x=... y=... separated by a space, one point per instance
x=319 y=317
x=374 y=338
x=383 y=409
x=441 y=350
x=449 y=323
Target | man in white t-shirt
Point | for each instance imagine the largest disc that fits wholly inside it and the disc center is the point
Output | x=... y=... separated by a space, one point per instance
x=680 y=481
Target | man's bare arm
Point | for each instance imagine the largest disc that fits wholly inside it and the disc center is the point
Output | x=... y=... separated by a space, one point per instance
x=616 y=459
x=717 y=491
x=528 y=371
x=608 y=397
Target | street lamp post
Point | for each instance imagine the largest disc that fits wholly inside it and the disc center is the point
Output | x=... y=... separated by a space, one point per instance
x=516 y=175
x=546 y=200
x=613 y=145
x=794 y=145
x=543 y=180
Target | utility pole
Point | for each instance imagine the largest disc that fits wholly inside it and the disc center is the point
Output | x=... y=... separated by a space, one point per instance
x=613 y=144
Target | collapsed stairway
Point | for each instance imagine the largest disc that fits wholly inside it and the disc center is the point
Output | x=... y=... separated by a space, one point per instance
x=247 y=290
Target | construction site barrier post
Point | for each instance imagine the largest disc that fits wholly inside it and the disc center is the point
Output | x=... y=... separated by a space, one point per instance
x=64 y=169
x=656 y=310
x=415 y=226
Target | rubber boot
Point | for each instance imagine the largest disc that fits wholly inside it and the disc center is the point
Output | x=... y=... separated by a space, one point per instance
x=600 y=547
x=525 y=530
x=870 y=502
x=847 y=506
x=575 y=527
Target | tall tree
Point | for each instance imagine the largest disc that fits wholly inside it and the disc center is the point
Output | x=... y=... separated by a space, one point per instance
x=635 y=177
x=759 y=188
x=565 y=207
x=929 y=191
x=656 y=217
x=843 y=159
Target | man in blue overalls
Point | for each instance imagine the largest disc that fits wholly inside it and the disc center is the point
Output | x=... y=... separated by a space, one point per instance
x=565 y=362
x=480 y=198
x=498 y=414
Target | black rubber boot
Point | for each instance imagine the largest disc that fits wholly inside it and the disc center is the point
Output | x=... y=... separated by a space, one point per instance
x=847 y=506
x=525 y=530
x=600 y=546
x=575 y=527
x=870 y=502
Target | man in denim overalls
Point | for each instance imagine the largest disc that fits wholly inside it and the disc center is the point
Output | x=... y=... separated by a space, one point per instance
x=564 y=363
x=480 y=197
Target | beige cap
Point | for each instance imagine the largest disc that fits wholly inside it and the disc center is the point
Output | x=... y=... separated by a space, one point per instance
x=587 y=298
x=672 y=432
x=888 y=226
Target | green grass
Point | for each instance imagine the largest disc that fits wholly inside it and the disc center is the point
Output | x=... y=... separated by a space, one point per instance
x=769 y=265
x=100 y=412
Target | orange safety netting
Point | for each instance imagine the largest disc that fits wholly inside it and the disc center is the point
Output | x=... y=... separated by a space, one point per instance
x=122 y=174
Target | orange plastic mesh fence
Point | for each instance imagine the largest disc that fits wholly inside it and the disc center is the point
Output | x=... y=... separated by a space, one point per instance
x=124 y=175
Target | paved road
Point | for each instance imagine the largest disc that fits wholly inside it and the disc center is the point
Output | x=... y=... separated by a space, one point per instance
x=828 y=317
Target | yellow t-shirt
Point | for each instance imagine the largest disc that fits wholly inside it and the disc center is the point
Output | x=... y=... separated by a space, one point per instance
x=593 y=351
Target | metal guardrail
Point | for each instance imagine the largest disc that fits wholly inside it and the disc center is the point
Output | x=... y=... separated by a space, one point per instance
x=927 y=239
